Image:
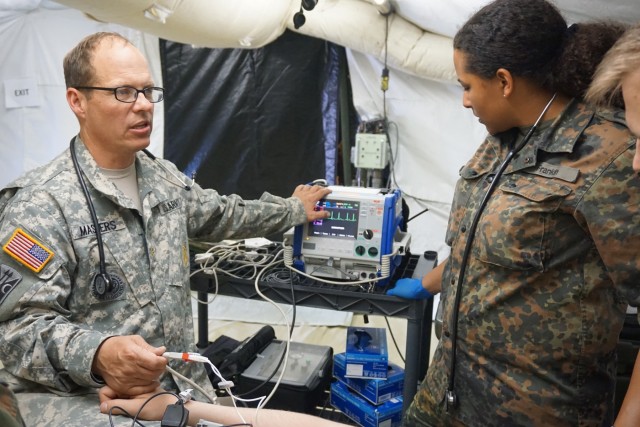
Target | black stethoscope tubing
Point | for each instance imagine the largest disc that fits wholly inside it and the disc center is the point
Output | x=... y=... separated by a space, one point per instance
x=104 y=287
x=102 y=280
x=451 y=399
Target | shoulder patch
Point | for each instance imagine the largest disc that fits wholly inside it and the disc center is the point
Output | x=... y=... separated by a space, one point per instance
x=28 y=251
x=9 y=279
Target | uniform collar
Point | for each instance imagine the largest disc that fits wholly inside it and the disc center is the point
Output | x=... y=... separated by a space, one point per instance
x=92 y=172
x=560 y=136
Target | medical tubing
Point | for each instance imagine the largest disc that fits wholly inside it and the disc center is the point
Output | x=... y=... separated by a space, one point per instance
x=175 y=373
x=92 y=210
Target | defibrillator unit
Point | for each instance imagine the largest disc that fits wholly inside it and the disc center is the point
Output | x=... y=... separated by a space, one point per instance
x=361 y=239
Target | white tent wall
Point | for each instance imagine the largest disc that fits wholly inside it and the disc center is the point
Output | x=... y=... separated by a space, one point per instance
x=428 y=140
x=35 y=37
x=431 y=136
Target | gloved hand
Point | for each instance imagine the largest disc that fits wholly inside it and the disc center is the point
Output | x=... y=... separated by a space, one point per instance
x=409 y=289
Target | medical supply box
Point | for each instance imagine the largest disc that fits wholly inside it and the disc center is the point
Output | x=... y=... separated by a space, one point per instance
x=365 y=414
x=375 y=390
x=366 y=353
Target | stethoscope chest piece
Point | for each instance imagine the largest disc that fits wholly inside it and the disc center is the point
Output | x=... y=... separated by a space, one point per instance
x=102 y=284
x=107 y=286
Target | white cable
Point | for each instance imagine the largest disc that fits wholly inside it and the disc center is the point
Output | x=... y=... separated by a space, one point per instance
x=288 y=255
x=286 y=321
x=210 y=262
x=335 y=282
x=385 y=267
x=210 y=265
x=236 y=257
x=215 y=279
x=225 y=384
x=191 y=382
x=385 y=270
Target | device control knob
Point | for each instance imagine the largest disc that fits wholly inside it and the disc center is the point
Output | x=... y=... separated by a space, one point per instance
x=373 y=251
x=360 y=250
x=367 y=234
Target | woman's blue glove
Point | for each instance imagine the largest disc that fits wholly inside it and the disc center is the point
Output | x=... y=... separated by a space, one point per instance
x=409 y=289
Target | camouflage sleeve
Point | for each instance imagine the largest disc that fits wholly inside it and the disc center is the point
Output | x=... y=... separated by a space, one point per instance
x=216 y=217
x=611 y=211
x=39 y=340
x=9 y=412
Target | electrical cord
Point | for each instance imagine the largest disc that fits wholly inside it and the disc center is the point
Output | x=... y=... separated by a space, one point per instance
x=418 y=214
x=212 y=262
x=224 y=384
x=384 y=86
x=385 y=270
x=384 y=83
x=212 y=399
x=393 y=181
x=125 y=413
x=281 y=275
x=215 y=281
x=134 y=419
x=231 y=260
x=288 y=341
x=393 y=338
x=291 y=327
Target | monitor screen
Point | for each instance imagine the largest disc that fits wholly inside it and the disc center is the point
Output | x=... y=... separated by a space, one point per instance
x=343 y=222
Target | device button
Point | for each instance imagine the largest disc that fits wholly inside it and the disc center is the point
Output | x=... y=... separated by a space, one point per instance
x=373 y=251
x=360 y=250
x=367 y=234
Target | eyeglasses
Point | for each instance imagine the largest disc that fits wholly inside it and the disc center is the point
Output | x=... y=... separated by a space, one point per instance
x=129 y=94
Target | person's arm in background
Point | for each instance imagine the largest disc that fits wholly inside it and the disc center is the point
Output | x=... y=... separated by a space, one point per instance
x=225 y=415
x=432 y=281
x=629 y=414
x=429 y=285
x=617 y=238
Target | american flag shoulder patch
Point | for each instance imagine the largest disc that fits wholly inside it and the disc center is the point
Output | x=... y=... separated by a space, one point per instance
x=27 y=250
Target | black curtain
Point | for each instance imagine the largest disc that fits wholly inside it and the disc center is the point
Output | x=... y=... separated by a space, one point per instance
x=253 y=120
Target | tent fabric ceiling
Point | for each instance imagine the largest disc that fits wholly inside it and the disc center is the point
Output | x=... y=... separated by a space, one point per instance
x=419 y=38
x=432 y=134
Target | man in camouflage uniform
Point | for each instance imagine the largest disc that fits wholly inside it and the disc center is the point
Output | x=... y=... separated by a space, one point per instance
x=541 y=306
x=63 y=333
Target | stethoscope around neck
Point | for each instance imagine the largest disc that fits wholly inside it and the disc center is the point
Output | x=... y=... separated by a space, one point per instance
x=451 y=398
x=102 y=281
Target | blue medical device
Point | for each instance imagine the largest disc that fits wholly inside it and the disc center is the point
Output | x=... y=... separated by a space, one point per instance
x=360 y=240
